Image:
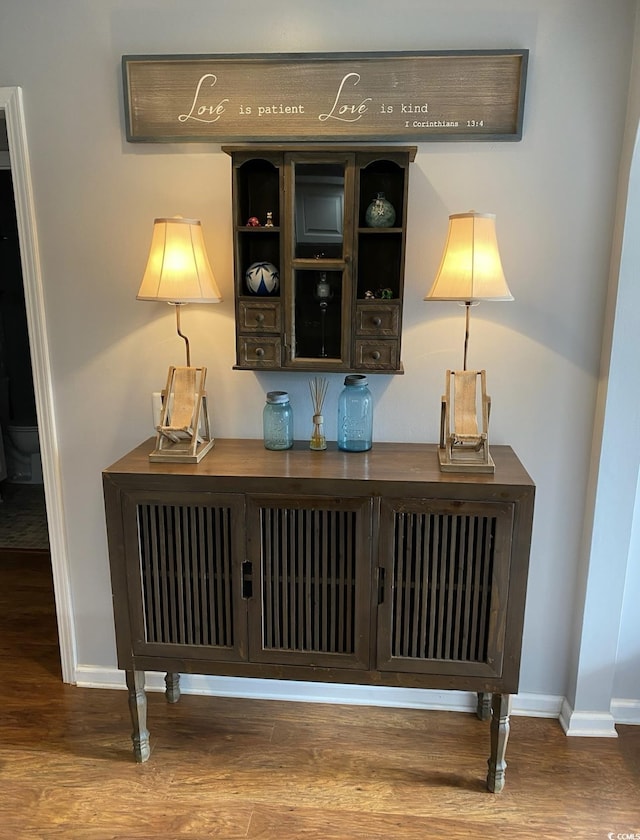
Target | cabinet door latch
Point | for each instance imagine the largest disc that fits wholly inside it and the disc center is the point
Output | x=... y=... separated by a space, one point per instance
x=381 y=575
x=247 y=579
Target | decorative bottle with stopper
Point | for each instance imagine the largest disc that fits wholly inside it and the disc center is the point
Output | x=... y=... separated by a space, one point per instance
x=381 y=212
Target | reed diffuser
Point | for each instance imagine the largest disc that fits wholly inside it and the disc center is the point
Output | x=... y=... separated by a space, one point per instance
x=318 y=389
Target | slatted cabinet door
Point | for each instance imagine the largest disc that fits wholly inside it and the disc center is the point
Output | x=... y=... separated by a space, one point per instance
x=311 y=566
x=185 y=585
x=443 y=586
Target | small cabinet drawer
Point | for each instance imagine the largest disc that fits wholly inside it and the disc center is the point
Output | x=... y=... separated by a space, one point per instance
x=259 y=351
x=259 y=316
x=377 y=319
x=377 y=355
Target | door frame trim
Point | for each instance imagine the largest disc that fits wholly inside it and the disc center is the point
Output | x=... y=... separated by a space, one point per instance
x=12 y=104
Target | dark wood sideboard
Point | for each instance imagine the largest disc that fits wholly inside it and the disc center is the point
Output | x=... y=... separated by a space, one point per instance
x=365 y=568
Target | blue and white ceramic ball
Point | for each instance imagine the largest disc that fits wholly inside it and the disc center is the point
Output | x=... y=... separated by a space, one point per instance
x=262 y=278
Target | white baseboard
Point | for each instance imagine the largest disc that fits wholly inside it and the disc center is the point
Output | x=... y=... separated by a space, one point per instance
x=533 y=705
x=587 y=724
x=575 y=724
x=537 y=705
x=626 y=711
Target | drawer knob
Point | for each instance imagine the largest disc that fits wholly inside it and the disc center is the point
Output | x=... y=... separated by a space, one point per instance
x=259 y=352
x=376 y=321
x=260 y=317
x=375 y=355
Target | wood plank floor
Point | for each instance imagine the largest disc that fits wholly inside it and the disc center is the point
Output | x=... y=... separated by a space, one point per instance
x=261 y=769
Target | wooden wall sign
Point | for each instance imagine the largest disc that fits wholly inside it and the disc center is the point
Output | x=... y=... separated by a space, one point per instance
x=414 y=96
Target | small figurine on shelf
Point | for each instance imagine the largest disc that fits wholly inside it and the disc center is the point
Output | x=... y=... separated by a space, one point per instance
x=269 y=222
x=368 y=295
x=384 y=294
x=318 y=389
x=253 y=221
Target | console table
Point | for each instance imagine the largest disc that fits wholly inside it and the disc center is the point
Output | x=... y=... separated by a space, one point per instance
x=366 y=568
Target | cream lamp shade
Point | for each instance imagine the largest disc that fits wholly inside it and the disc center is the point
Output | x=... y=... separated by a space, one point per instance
x=178 y=269
x=470 y=269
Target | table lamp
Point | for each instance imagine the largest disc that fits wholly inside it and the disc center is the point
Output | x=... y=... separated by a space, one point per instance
x=178 y=272
x=470 y=271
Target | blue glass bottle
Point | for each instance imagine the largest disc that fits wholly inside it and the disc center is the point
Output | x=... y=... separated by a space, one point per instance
x=355 y=415
x=277 y=421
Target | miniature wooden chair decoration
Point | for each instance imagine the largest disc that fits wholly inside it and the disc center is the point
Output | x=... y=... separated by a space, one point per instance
x=183 y=432
x=464 y=423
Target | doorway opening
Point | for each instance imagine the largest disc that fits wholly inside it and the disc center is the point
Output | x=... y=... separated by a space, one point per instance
x=23 y=523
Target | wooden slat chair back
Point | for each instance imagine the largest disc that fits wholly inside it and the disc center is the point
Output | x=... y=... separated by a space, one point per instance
x=182 y=412
x=465 y=411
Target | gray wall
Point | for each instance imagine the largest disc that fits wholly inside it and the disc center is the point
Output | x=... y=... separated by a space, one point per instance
x=554 y=194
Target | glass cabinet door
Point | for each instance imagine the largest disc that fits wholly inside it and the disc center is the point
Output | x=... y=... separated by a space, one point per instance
x=318 y=304
x=319 y=260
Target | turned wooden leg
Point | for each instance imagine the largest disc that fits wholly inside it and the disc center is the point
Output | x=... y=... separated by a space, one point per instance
x=138 y=709
x=172 y=682
x=501 y=709
x=483 y=709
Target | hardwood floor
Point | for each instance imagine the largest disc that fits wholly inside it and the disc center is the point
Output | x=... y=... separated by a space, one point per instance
x=261 y=769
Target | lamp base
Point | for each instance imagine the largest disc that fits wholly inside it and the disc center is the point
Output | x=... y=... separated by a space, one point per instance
x=180 y=453
x=183 y=436
x=466 y=463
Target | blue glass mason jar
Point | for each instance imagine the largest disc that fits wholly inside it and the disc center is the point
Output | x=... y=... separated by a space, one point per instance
x=277 y=421
x=355 y=415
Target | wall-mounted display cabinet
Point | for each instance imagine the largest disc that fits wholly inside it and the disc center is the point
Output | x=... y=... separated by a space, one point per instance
x=319 y=252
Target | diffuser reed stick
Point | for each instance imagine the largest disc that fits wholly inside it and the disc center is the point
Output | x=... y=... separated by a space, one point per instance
x=318 y=389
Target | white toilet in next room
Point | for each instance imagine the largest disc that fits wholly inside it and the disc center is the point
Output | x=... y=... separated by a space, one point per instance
x=22 y=451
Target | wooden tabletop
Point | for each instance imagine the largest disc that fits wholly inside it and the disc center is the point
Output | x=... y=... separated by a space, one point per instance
x=385 y=463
